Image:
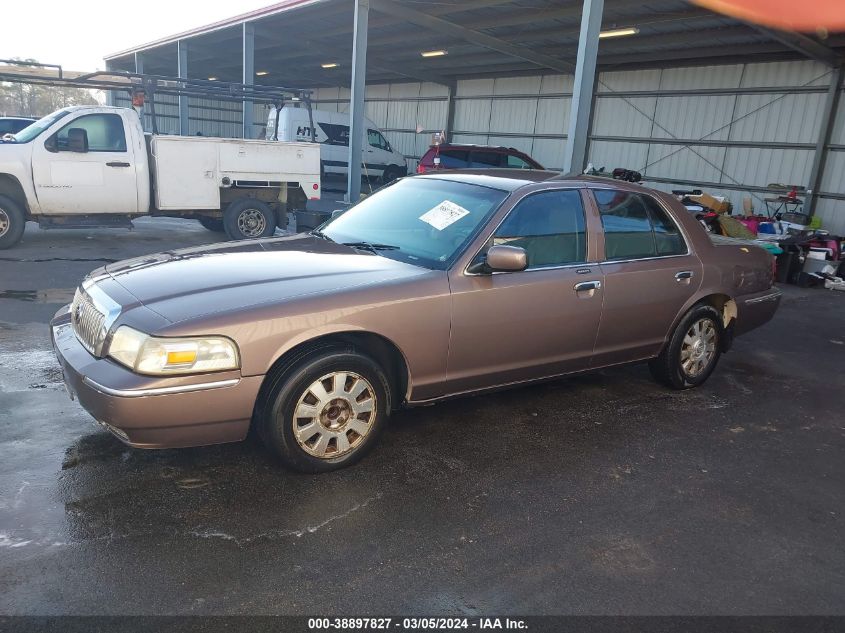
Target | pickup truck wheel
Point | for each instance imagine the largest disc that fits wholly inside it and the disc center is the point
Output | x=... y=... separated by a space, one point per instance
x=213 y=224
x=326 y=412
x=248 y=218
x=693 y=351
x=12 y=222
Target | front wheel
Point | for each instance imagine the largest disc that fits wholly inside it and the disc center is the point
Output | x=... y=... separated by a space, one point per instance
x=12 y=222
x=248 y=218
x=390 y=174
x=693 y=351
x=327 y=412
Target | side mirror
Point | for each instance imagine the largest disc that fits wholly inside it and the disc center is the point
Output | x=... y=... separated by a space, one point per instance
x=77 y=140
x=506 y=258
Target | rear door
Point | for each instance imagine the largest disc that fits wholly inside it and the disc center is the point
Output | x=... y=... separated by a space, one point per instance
x=516 y=326
x=100 y=180
x=649 y=275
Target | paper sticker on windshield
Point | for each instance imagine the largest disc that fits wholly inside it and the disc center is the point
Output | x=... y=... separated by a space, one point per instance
x=444 y=214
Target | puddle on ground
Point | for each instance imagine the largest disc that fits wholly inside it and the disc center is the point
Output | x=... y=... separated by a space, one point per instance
x=48 y=295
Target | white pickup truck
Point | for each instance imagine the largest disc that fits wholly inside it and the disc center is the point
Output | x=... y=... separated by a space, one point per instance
x=86 y=166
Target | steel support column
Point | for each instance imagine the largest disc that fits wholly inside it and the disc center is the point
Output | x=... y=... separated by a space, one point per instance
x=110 y=93
x=580 y=113
x=248 y=67
x=182 y=71
x=142 y=110
x=825 y=130
x=450 y=111
x=356 y=105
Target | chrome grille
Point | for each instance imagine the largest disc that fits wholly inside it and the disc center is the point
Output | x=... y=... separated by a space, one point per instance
x=88 y=322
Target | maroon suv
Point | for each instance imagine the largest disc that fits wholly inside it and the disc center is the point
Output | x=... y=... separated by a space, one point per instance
x=454 y=156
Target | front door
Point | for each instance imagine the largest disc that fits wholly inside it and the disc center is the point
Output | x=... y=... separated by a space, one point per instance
x=517 y=326
x=99 y=180
x=649 y=275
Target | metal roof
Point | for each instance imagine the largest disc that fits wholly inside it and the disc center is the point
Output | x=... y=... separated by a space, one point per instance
x=483 y=38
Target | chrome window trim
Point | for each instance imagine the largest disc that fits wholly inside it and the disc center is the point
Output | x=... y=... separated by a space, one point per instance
x=466 y=272
x=531 y=270
x=157 y=391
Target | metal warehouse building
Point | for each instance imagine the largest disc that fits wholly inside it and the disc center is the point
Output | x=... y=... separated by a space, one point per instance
x=688 y=98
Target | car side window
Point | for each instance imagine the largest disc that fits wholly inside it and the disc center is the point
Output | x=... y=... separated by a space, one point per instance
x=375 y=139
x=667 y=235
x=485 y=160
x=454 y=158
x=550 y=227
x=515 y=162
x=635 y=226
x=105 y=133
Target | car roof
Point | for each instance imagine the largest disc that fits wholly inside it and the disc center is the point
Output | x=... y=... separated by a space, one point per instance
x=494 y=148
x=513 y=179
x=17 y=118
x=507 y=179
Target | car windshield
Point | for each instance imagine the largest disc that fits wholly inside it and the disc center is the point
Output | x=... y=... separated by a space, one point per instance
x=421 y=221
x=31 y=131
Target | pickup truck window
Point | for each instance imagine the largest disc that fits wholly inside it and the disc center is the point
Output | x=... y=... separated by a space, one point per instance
x=635 y=226
x=377 y=140
x=105 y=133
x=29 y=133
x=549 y=226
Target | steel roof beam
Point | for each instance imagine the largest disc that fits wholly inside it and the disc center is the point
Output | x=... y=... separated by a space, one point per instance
x=437 y=24
x=807 y=46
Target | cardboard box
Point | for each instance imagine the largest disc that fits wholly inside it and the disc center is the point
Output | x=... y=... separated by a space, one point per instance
x=719 y=204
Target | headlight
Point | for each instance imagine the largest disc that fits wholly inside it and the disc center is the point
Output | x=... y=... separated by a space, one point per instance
x=152 y=355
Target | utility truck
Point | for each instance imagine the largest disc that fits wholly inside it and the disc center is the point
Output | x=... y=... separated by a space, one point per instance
x=94 y=166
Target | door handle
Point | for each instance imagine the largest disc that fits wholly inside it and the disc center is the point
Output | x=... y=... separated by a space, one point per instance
x=117 y=164
x=587 y=285
x=684 y=275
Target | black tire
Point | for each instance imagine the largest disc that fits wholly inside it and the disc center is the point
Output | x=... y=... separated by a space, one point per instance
x=682 y=365
x=390 y=174
x=12 y=222
x=248 y=218
x=291 y=389
x=213 y=224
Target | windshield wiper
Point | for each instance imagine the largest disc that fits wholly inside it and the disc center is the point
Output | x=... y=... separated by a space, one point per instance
x=370 y=246
x=319 y=233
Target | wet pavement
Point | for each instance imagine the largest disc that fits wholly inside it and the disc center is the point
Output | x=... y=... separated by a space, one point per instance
x=602 y=494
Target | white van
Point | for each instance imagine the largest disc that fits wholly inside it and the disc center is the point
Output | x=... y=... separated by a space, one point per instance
x=332 y=131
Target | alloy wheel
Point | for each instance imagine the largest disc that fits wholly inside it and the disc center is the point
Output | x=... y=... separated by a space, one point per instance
x=334 y=414
x=698 y=347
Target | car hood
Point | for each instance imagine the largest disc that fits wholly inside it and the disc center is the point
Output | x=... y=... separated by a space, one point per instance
x=195 y=282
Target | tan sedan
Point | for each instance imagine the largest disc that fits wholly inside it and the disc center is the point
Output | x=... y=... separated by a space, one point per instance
x=434 y=287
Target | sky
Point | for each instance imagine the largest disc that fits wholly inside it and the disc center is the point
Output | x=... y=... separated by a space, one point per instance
x=77 y=35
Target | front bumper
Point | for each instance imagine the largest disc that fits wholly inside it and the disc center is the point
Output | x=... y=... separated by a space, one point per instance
x=756 y=309
x=154 y=412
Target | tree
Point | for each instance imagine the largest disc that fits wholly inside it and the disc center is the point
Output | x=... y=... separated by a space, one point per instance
x=18 y=99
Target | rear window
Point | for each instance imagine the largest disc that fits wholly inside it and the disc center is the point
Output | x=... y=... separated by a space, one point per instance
x=485 y=160
x=454 y=158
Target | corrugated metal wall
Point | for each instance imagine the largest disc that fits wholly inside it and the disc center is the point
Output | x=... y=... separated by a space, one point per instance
x=733 y=130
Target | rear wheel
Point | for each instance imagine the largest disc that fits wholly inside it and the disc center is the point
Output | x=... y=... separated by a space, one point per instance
x=248 y=218
x=693 y=351
x=326 y=412
x=390 y=174
x=12 y=222
x=213 y=224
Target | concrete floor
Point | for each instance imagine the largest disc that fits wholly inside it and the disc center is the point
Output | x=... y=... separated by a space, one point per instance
x=603 y=494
